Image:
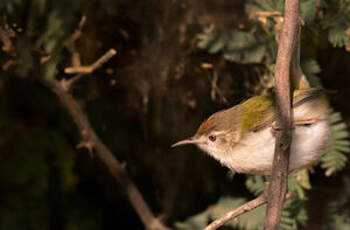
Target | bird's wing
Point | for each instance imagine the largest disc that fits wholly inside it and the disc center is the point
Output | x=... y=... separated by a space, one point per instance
x=299 y=97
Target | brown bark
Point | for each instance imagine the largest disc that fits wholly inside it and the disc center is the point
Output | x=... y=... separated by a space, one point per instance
x=279 y=180
x=92 y=142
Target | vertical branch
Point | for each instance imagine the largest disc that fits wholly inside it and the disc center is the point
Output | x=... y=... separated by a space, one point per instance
x=278 y=187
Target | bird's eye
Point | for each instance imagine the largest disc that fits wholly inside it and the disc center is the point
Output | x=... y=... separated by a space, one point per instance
x=212 y=138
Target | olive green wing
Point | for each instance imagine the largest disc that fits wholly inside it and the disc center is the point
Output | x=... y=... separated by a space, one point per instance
x=259 y=112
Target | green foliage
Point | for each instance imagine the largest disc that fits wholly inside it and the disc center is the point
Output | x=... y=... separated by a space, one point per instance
x=337 y=22
x=308 y=9
x=48 y=25
x=34 y=168
x=335 y=160
x=249 y=47
x=27 y=172
x=30 y=167
x=337 y=214
x=311 y=69
x=331 y=16
x=237 y=46
x=294 y=211
x=253 y=6
x=256 y=184
x=249 y=221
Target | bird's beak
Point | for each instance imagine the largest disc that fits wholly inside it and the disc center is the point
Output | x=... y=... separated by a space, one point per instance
x=187 y=142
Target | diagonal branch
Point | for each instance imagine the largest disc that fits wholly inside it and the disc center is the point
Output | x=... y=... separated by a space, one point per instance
x=90 y=138
x=279 y=181
x=260 y=200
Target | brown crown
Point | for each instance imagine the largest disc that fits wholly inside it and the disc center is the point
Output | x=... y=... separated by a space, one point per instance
x=220 y=121
x=206 y=126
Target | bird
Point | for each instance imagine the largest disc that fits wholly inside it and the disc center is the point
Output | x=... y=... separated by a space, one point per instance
x=242 y=137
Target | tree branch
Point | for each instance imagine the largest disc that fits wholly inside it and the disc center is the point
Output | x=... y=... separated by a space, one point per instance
x=89 y=138
x=279 y=181
x=83 y=70
x=276 y=192
x=260 y=200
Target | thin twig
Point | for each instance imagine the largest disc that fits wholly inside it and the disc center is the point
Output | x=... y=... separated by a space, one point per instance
x=260 y=200
x=90 y=138
x=216 y=90
x=279 y=181
x=83 y=70
x=70 y=44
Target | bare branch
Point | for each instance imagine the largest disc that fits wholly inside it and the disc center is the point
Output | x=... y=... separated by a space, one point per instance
x=279 y=181
x=260 y=200
x=91 y=141
x=215 y=90
x=70 y=43
x=83 y=70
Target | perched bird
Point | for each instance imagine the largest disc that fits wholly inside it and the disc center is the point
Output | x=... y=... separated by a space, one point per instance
x=242 y=138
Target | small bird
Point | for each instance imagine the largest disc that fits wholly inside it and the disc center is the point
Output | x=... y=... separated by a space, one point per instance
x=242 y=138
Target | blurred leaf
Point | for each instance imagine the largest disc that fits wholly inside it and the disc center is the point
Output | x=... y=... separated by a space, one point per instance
x=311 y=68
x=28 y=165
x=206 y=38
x=236 y=46
x=255 y=184
x=252 y=220
x=296 y=187
x=64 y=159
x=303 y=178
x=337 y=214
x=202 y=219
x=294 y=212
x=308 y=10
x=335 y=160
x=264 y=5
x=242 y=47
x=337 y=36
x=337 y=22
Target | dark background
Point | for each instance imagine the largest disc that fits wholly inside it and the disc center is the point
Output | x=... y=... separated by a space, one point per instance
x=153 y=93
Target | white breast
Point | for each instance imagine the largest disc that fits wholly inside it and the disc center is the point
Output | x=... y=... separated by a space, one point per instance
x=255 y=153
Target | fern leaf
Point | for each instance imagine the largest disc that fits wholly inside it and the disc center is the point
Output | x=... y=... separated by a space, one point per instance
x=334 y=160
x=255 y=184
x=337 y=215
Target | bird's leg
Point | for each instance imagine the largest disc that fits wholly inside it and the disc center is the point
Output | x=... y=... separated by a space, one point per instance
x=274 y=128
x=305 y=122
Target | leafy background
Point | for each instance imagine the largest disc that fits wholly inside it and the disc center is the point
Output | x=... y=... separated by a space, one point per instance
x=178 y=62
